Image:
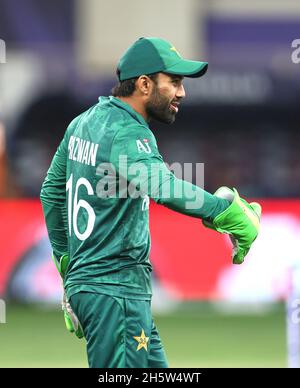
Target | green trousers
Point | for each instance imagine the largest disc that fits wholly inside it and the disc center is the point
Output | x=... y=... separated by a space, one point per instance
x=120 y=333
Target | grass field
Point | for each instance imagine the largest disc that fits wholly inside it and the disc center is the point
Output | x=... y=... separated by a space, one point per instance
x=192 y=336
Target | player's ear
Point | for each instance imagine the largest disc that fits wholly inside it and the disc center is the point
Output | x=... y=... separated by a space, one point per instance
x=143 y=84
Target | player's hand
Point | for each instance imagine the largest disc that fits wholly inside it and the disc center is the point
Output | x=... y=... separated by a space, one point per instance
x=241 y=220
x=71 y=320
x=61 y=263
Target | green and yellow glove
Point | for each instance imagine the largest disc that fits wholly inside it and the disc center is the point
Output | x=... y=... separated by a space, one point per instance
x=240 y=220
x=71 y=320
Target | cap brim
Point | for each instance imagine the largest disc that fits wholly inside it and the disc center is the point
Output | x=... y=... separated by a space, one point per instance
x=186 y=68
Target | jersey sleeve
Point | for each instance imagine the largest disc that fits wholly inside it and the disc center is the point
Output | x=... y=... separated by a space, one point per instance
x=53 y=198
x=136 y=158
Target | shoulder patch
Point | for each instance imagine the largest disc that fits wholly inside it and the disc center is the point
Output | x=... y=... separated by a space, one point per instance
x=143 y=146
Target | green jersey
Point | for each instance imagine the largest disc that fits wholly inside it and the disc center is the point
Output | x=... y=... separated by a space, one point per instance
x=96 y=196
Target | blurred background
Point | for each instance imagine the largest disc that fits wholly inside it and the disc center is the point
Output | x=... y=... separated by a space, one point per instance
x=241 y=120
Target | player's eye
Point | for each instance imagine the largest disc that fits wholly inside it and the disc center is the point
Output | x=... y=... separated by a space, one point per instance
x=176 y=82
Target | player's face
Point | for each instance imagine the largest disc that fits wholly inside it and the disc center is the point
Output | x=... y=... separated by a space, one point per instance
x=163 y=103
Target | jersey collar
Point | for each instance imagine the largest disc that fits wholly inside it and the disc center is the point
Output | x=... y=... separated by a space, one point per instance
x=129 y=109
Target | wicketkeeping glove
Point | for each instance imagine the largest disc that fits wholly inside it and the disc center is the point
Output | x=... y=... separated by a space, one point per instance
x=71 y=320
x=241 y=220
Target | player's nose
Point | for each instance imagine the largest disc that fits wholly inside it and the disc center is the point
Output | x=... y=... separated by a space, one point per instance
x=180 y=92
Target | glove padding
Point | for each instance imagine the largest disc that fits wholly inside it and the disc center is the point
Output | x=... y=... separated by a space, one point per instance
x=240 y=220
x=71 y=320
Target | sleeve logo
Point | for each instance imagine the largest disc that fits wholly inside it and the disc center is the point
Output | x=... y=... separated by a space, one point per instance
x=143 y=146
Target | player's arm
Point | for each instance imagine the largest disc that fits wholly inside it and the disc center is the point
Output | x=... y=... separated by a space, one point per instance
x=225 y=211
x=53 y=198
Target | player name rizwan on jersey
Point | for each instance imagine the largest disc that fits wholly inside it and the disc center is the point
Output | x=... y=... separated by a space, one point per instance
x=82 y=151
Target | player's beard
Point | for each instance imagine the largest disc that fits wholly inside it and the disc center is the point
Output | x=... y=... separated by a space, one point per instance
x=159 y=107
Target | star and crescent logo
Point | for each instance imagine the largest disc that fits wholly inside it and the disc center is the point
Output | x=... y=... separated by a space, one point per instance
x=174 y=49
x=142 y=341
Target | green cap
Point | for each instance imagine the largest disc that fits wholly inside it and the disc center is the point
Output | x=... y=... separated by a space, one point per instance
x=155 y=55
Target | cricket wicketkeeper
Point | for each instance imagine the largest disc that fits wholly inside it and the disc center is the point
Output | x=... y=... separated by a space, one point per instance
x=96 y=196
